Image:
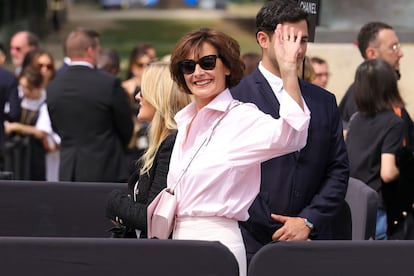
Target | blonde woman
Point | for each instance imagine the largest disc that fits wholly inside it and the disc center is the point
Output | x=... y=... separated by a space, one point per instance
x=159 y=101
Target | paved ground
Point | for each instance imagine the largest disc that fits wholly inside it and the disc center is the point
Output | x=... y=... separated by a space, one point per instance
x=337 y=47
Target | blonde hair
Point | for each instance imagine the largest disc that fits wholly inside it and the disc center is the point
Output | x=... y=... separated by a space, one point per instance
x=309 y=74
x=158 y=88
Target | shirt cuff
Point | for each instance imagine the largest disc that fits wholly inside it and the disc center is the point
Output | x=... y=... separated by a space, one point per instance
x=292 y=113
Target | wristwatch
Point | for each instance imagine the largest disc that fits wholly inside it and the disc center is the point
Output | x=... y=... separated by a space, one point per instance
x=308 y=224
x=313 y=234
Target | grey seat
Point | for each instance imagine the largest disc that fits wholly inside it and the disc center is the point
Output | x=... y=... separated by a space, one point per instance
x=363 y=202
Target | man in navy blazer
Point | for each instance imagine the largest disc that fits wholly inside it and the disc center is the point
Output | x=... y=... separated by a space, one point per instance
x=9 y=101
x=301 y=193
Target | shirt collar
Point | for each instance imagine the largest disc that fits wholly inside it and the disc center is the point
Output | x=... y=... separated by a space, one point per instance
x=83 y=63
x=219 y=103
x=274 y=81
x=66 y=60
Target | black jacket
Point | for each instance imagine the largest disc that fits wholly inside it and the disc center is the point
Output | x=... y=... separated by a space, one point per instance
x=90 y=111
x=133 y=214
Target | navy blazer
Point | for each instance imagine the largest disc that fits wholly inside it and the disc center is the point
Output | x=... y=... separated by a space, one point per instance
x=311 y=183
x=8 y=94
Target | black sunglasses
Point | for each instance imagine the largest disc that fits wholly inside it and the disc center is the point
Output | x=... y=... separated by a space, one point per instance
x=188 y=66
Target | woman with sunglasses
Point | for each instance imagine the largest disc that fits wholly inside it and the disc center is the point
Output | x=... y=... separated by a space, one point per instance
x=159 y=101
x=215 y=164
x=43 y=61
x=138 y=61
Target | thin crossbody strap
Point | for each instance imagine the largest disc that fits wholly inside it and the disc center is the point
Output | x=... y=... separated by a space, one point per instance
x=205 y=142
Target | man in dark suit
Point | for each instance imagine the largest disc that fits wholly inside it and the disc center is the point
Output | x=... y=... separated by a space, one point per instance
x=90 y=111
x=10 y=104
x=9 y=101
x=301 y=193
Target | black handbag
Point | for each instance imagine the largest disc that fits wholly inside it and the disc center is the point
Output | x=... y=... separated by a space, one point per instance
x=122 y=231
x=115 y=202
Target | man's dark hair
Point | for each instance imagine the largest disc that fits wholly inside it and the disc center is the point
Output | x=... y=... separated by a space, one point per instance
x=368 y=34
x=278 y=12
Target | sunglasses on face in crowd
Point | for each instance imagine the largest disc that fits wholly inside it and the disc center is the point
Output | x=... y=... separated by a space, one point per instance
x=188 y=66
x=47 y=65
x=142 y=64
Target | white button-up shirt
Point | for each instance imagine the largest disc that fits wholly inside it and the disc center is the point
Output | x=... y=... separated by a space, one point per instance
x=224 y=177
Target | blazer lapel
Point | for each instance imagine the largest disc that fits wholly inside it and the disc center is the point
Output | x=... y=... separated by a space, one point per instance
x=267 y=92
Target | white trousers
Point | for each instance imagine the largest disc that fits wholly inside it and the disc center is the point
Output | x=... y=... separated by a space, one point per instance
x=220 y=229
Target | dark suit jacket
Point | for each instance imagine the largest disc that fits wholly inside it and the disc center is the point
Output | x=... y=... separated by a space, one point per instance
x=8 y=93
x=91 y=113
x=62 y=69
x=310 y=184
x=134 y=214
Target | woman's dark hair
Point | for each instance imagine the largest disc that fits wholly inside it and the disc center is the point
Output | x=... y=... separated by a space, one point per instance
x=30 y=59
x=191 y=43
x=375 y=88
x=33 y=76
x=135 y=54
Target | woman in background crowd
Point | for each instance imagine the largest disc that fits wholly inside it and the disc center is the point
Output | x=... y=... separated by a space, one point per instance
x=44 y=61
x=138 y=61
x=306 y=71
x=34 y=114
x=375 y=132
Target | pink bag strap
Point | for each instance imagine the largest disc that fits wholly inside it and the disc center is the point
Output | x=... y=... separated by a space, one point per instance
x=232 y=105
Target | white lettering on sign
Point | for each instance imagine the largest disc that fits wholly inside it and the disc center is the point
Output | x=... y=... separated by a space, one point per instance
x=309 y=7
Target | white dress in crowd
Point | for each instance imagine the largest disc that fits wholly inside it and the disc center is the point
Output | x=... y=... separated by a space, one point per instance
x=43 y=123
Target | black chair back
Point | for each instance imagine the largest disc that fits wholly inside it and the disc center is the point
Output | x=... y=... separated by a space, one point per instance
x=100 y=256
x=328 y=258
x=55 y=209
